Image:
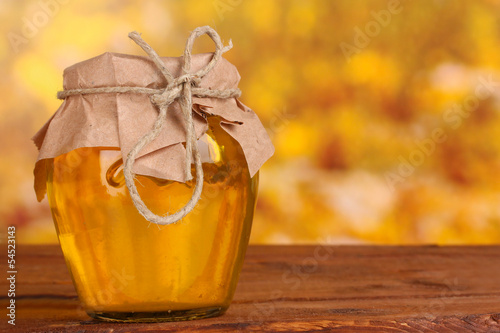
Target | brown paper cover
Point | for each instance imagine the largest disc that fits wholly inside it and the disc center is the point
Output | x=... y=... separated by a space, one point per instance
x=121 y=119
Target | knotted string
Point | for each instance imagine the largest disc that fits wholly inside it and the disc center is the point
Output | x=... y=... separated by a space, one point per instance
x=182 y=89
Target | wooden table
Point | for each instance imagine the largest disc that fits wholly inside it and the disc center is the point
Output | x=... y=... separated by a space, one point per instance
x=297 y=289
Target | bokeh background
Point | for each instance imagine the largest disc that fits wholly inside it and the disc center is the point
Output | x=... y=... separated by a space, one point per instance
x=385 y=115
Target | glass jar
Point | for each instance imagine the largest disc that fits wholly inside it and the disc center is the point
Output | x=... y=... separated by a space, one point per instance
x=127 y=269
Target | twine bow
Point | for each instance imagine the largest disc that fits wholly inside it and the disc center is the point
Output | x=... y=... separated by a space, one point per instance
x=182 y=89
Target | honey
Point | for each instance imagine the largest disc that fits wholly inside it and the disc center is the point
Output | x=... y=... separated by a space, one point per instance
x=128 y=269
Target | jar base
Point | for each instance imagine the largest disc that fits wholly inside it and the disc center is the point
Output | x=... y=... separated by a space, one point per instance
x=151 y=317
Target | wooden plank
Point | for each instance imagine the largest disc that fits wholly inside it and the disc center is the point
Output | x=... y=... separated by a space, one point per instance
x=300 y=288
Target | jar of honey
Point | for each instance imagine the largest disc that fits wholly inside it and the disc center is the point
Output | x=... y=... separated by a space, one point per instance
x=124 y=265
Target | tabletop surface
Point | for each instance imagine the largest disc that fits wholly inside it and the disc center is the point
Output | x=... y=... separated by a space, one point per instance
x=297 y=289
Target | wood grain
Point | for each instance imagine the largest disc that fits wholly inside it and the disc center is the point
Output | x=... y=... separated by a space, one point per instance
x=299 y=289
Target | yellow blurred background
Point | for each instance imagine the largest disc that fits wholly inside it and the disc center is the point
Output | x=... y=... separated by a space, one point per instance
x=385 y=114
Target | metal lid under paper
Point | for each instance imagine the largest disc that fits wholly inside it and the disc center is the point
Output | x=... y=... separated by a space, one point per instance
x=121 y=119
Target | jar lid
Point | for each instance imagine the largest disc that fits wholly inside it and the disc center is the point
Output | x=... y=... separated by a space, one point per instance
x=121 y=119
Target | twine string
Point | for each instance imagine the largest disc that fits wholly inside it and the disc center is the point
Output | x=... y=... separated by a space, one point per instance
x=182 y=89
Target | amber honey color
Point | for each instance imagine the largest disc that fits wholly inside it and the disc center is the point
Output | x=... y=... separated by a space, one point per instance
x=125 y=268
